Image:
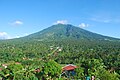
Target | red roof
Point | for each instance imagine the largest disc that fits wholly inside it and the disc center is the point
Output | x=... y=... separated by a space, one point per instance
x=69 y=67
x=1 y=69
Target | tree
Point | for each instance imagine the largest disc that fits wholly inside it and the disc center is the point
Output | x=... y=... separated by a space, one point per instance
x=51 y=69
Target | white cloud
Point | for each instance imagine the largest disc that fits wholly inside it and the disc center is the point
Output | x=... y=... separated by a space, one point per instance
x=4 y=35
x=61 y=22
x=83 y=25
x=101 y=20
x=17 y=23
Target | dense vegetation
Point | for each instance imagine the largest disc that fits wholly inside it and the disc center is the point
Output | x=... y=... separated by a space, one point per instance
x=31 y=59
x=93 y=58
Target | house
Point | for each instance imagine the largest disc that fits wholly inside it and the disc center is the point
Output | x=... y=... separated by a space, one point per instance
x=1 y=69
x=68 y=70
x=69 y=67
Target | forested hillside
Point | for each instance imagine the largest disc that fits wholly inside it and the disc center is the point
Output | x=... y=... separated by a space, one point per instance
x=67 y=31
x=30 y=58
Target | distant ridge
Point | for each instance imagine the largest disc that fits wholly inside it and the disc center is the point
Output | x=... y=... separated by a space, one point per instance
x=66 y=32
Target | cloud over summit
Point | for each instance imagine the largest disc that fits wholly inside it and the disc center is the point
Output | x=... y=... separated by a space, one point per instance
x=61 y=22
x=83 y=25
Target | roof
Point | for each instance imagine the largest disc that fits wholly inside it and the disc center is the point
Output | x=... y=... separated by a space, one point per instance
x=69 y=67
x=1 y=69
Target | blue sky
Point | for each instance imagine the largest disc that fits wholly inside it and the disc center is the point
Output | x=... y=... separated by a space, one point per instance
x=22 y=17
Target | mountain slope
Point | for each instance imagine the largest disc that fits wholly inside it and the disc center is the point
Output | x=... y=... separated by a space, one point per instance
x=61 y=32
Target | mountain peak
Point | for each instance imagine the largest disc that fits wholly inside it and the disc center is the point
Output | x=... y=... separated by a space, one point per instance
x=63 y=25
x=67 y=31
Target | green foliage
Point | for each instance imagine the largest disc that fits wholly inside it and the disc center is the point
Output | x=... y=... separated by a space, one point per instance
x=79 y=73
x=15 y=67
x=95 y=54
x=106 y=75
x=52 y=69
